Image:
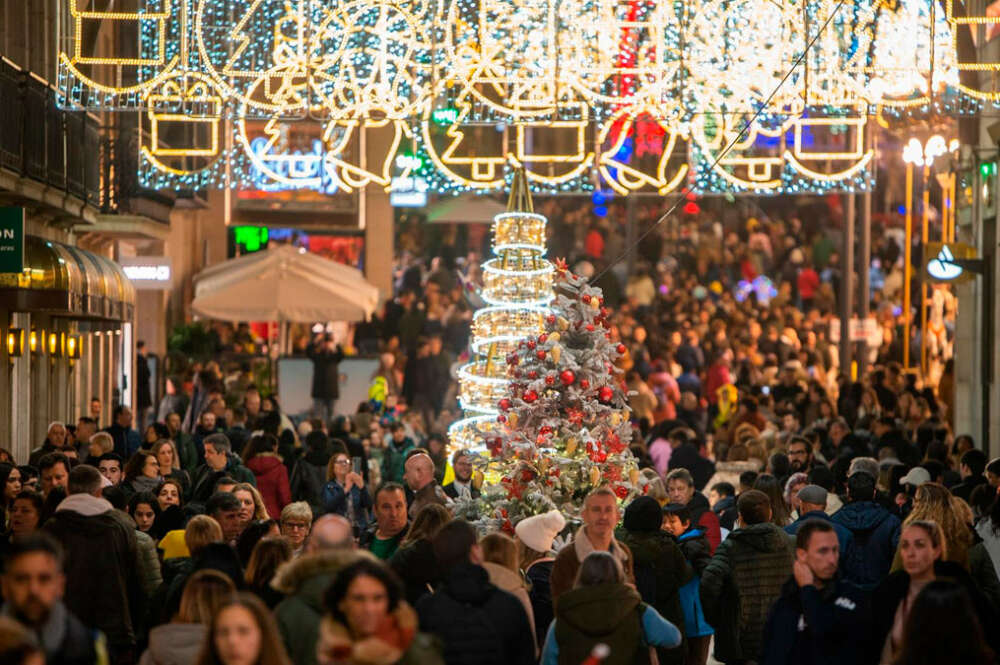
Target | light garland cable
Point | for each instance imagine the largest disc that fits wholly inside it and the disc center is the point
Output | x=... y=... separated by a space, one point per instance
x=681 y=196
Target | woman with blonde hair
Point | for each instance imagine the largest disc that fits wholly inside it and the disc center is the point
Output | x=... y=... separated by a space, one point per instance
x=179 y=642
x=501 y=563
x=251 y=503
x=170 y=463
x=932 y=503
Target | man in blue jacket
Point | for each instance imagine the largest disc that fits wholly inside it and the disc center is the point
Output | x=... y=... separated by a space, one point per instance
x=875 y=531
x=819 y=619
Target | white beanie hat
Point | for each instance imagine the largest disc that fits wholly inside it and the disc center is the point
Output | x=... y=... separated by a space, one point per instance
x=539 y=531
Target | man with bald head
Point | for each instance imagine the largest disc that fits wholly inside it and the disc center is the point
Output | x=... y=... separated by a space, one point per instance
x=419 y=477
x=304 y=581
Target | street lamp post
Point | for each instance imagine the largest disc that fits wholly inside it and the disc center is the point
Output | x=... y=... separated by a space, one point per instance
x=916 y=153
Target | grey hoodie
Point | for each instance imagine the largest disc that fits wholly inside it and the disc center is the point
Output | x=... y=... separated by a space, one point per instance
x=174 y=644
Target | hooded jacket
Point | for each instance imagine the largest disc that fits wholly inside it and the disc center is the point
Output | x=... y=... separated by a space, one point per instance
x=739 y=585
x=694 y=547
x=810 y=626
x=610 y=614
x=309 y=477
x=876 y=535
x=102 y=586
x=478 y=623
x=304 y=581
x=174 y=644
x=272 y=482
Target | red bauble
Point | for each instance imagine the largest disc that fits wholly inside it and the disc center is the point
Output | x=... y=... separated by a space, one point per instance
x=550 y=319
x=543 y=338
x=567 y=377
x=600 y=301
x=621 y=491
x=586 y=300
x=540 y=354
x=604 y=312
x=585 y=384
x=531 y=344
x=545 y=430
x=532 y=375
x=501 y=418
x=550 y=380
x=620 y=349
x=531 y=396
x=505 y=404
x=605 y=394
x=590 y=327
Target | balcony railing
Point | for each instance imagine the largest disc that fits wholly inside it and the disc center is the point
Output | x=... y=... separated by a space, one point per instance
x=61 y=149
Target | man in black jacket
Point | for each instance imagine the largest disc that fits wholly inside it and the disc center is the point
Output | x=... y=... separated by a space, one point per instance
x=33 y=585
x=462 y=485
x=326 y=355
x=971 y=466
x=819 y=619
x=478 y=623
x=102 y=585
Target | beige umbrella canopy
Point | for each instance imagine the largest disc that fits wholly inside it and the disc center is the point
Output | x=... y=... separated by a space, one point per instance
x=284 y=284
x=465 y=209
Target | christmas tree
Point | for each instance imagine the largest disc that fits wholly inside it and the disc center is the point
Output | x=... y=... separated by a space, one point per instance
x=566 y=425
x=517 y=289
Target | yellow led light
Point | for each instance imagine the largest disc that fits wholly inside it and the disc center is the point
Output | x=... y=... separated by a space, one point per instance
x=627 y=177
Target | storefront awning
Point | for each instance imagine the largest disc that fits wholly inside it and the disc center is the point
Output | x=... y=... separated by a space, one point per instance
x=67 y=281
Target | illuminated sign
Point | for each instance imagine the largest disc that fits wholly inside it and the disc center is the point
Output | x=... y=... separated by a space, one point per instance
x=151 y=273
x=408 y=192
x=950 y=262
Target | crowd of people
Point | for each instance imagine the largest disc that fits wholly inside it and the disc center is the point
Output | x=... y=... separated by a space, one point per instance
x=784 y=512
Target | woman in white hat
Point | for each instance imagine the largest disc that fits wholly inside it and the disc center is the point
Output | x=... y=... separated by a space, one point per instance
x=534 y=544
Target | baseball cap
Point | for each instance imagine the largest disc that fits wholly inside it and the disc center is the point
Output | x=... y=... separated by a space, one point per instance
x=917 y=476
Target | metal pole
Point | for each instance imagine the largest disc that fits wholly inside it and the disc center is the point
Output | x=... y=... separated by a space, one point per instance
x=865 y=248
x=847 y=283
x=925 y=238
x=908 y=267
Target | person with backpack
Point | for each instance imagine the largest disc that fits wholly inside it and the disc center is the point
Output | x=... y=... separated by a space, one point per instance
x=695 y=547
x=658 y=564
x=875 y=533
x=601 y=609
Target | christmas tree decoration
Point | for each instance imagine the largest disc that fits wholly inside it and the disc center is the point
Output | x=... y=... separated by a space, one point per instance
x=517 y=291
x=567 y=430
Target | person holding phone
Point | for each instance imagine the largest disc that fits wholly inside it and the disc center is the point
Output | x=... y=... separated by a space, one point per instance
x=345 y=492
x=326 y=355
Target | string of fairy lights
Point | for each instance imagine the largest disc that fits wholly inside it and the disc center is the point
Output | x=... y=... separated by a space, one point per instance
x=626 y=95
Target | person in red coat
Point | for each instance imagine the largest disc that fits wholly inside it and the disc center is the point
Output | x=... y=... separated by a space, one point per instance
x=271 y=473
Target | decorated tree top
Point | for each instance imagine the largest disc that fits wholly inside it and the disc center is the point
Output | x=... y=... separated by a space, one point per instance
x=565 y=425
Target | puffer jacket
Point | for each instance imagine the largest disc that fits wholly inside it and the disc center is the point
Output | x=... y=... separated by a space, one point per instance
x=174 y=644
x=740 y=584
x=876 y=535
x=272 y=482
x=478 y=623
x=304 y=581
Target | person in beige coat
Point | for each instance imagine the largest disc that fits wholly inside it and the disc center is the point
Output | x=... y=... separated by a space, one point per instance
x=500 y=561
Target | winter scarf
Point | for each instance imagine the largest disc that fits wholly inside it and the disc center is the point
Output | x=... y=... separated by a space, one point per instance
x=387 y=646
x=582 y=546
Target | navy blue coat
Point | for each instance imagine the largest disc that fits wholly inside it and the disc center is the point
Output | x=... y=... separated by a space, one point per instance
x=876 y=535
x=810 y=626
